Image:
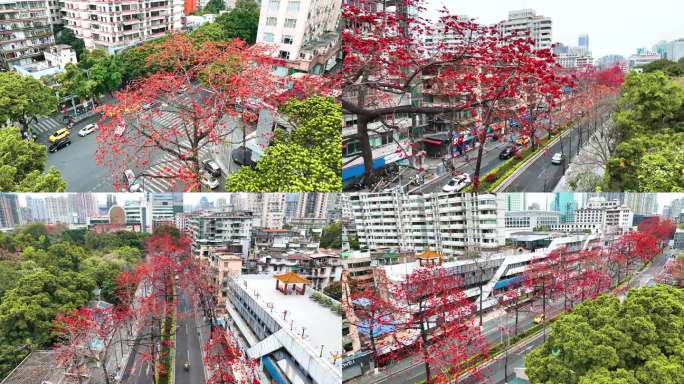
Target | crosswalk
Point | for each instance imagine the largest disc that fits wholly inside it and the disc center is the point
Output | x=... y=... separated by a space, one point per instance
x=167 y=161
x=46 y=124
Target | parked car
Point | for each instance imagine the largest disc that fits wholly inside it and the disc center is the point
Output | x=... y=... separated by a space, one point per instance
x=131 y=181
x=59 y=144
x=508 y=152
x=88 y=129
x=522 y=140
x=120 y=129
x=211 y=167
x=458 y=183
x=59 y=134
x=243 y=156
x=557 y=158
x=209 y=181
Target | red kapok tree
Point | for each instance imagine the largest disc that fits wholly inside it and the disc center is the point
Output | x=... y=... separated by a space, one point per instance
x=475 y=76
x=226 y=363
x=200 y=97
x=435 y=307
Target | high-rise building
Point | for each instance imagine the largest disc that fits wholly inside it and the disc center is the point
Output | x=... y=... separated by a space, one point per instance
x=37 y=207
x=272 y=212
x=642 y=203
x=564 y=202
x=291 y=202
x=525 y=23
x=111 y=201
x=58 y=211
x=25 y=31
x=83 y=204
x=113 y=26
x=453 y=224
x=9 y=210
x=516 y=201
x=312 y=205
x=305 y=32
x=583 y=42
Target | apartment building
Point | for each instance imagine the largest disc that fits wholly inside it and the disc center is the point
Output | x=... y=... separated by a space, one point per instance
x=528 y=220
x=219 y=230
x=678 y=242
x=452 y=224
x=113 y=26
x=305 y=33
x=526 y=23
x=25 y=32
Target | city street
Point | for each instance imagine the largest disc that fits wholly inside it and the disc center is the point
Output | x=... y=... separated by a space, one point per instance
x=188 y=347
x=81 y=172
x=541 y=175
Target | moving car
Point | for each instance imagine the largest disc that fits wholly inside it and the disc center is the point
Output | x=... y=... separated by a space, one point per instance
x=243 y=156
x=131 y=182
x=209 y=181
x=211 y=167
x=539 y=319
x=557 y=158
x=120 y=129
x=88 y=129
x=457 y=183
x=59 y=134
x=508 y=152
x=59 y=144
x=522 y=140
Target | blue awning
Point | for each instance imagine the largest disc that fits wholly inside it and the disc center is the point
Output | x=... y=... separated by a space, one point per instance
x=357 y=170
x=378 y=329
x=501 y=284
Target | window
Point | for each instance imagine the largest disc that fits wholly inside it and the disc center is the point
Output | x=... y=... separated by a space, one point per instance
x=274 y=5
x=284 y=55
x=271 y=21
x=351 y=148
x=268 y=37
x=290 y=23
x=293 y=6
x=287 y=39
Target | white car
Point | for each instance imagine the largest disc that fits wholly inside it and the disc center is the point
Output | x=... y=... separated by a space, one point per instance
x=457 y=184
x=131 y=182
x=210 y=181
x=120 y=129
x=88 y=129
x=557 y=158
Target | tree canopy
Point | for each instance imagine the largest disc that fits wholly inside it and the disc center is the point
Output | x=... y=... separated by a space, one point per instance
x=309 y=158
x=332 y=236
x=22 y=163
x=650 y=125
x=638 y=341
x=67 y=36
x=241 y=22
x=23 y=98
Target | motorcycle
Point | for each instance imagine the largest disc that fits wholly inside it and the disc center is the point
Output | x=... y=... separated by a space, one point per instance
x=186 y=365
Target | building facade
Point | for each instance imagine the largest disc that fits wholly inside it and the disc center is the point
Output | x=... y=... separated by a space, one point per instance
x=526 y=23
x=25 y=32
x=305 y=33
x=529 y=220
x=453 y=224
x=115 y=26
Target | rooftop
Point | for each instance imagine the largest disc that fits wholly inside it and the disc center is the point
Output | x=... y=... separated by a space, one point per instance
x=322 y=327
x=37 y=367
x=291 y=278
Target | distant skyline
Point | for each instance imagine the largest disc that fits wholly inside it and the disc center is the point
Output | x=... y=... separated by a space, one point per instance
x=614 y=27
x=544 y=198
x=121 y=197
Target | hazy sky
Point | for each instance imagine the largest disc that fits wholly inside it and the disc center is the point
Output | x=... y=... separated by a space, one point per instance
x=614 y=26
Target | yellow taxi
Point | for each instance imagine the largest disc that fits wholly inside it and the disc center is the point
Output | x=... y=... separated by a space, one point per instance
x=59 y=134
x=539 y=319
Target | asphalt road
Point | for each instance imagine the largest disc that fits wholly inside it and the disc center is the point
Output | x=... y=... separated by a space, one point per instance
x=188 y=346
x=541 y=175
x=82 y=173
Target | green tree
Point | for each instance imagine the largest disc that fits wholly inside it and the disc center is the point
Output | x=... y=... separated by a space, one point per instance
x=648 y=163
x=334 y=290
x=208 y=32
x=332 y=236
x=309 y=158
x=638 y=340
x=668 y=67
x=23 y=99
x=214 y=6
x=67 y=36
x=135 y=61
x=107 y=73
x=242 y=22
x=74 y=81
x=22 y=163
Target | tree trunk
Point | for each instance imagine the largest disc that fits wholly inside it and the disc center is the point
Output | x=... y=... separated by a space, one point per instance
x=478 y=164
x=366 y=150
